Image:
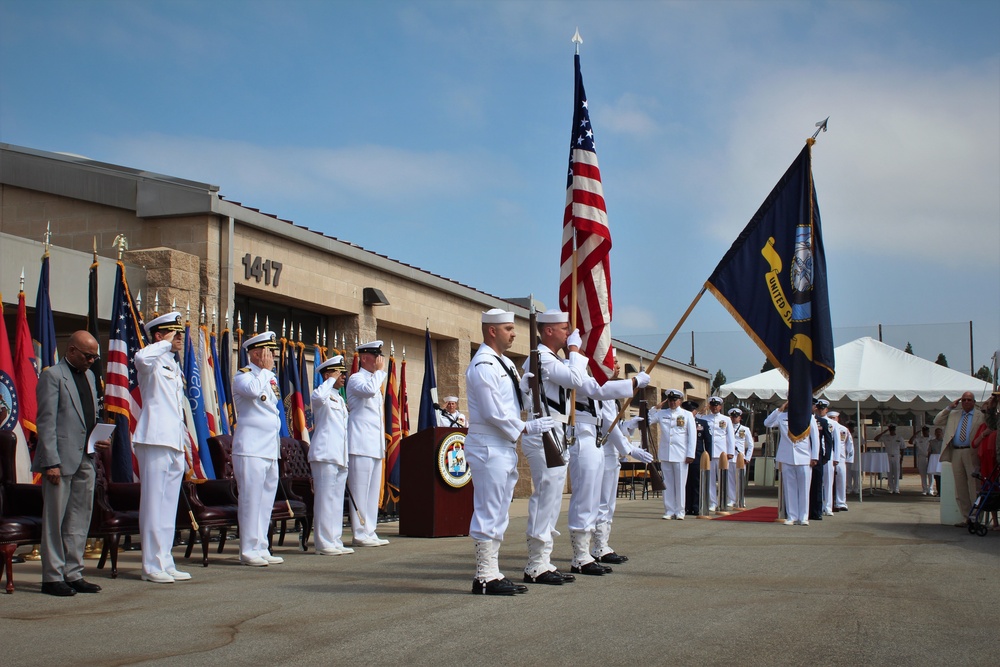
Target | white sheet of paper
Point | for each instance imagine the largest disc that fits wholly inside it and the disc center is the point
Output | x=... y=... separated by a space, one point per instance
x=100 y=432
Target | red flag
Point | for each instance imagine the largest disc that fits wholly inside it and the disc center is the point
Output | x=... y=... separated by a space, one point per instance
x=404 y=405
x=25 y=375
x=587 y=242
x=390 y=490
x=10 y=406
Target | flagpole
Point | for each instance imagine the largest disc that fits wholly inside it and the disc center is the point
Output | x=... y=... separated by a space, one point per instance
x=656 y=360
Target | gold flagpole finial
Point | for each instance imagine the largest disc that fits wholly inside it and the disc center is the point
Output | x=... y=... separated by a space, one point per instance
x=121 y=243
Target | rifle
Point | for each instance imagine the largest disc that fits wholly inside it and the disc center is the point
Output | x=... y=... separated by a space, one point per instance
x=553 y=450
x=652 y=470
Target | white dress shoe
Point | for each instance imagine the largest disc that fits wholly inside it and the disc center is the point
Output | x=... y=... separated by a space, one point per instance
x=366 y=543
x=804 y=522
x=346 y=550
x=667 y=516
x=380 y=541
x=158 y=577
x=178 y=575
x=254 y=562
x=329 y=551
x=789 y=522
x=679 y=517
x=272 y=560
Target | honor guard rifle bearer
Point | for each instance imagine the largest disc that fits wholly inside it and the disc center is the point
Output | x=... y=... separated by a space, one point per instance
x=617 y=447
x=676 y=448
x=496 y=411
x=160 y=434
x=559 y=376
x=257 y=447
x=586 y=467
x=366 y=442
x=723 y=442
x=328 y=458
x=449 y=416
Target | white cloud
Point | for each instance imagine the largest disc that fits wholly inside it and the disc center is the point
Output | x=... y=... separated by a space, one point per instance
x=632 y=115
x=634 y=320
x=256 y=175
x=912 y=156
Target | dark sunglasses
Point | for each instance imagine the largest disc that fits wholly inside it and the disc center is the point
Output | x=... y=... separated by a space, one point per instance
x=87 y=355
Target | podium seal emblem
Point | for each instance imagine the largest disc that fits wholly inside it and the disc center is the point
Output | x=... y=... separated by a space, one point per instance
x=452 y=467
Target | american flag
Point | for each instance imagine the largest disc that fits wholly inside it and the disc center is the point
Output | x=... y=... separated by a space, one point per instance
x=121 y=388
x=586 y=238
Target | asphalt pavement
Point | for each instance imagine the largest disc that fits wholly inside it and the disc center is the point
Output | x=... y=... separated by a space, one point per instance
x=884 y=583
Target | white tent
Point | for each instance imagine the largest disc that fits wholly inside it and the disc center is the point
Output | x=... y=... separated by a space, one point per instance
x=870 y=375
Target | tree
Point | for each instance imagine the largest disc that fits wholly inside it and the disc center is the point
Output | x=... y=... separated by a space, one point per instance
x=909 y=348
x=984 y=374
x=720 y=379
x=767 y=366
x=942 y=360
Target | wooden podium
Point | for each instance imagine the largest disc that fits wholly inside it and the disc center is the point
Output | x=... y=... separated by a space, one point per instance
x=433 y=507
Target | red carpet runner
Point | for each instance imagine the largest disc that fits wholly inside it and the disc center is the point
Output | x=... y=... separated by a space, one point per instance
x=760 y=514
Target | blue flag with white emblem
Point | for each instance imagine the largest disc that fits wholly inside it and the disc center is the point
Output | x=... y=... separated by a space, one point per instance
x=773 y=281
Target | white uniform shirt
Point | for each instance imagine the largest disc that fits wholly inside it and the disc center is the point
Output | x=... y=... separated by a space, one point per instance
x=447 y=420
x=494 y=408
x=893 y=444
x=922 y=445
x=366 y=406
x=161 y=382
x=722 y=432
x=328 y=443
x=744 y=441
x=794 y=453
x=678 y=436
x=258 y=422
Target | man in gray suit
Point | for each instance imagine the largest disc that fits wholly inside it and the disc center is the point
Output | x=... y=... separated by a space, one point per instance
x=67 y=412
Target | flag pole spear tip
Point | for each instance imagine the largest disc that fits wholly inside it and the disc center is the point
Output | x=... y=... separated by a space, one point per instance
x=821 y=127
x=577 y=40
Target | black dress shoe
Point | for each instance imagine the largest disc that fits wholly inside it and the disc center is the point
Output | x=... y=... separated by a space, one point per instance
x=566 y=577
x=815 y=518
x=613 y=558
x=518 y=588
x=551 y=578
x=493 y=587
x=83 y=586
x=59 y=588
x=594 y=569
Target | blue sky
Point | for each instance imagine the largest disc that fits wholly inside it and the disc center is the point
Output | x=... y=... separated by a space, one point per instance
x=437 y=133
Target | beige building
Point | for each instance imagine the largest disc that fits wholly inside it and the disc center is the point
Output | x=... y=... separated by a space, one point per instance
x=190 y=246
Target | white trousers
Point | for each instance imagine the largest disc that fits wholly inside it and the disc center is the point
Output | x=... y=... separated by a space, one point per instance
x=734 y=480
x=675 y=477
x=609 y=486
x=547 y=485
x=926 y=481
x=894 y=474
x=161 y=470
x=493 y=464
x=795 y=482
x=364 y=479
x=586 y=468
x=713 y=484
x=329 y=482
x=839 y=484
x=257 y=485
x=828 y=486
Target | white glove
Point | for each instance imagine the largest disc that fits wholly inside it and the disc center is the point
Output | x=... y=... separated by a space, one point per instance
x=540 y=425
x=641 y=379
x=574 y=339
x=641 y=454
x=525 y=384
x=631 y=423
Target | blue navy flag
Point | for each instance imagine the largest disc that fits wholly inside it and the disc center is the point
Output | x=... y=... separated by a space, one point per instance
x=196 y=398
x=45 y=324
x=773 y=281
x=428 y=391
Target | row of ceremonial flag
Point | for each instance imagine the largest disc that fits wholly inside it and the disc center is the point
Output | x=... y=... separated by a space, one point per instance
x=773 y=281
x=209 y=410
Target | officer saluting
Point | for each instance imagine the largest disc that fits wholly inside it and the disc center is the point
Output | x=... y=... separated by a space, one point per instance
x=159 y=439
x=257 y=447
x=449 y=416
x=328 y=458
